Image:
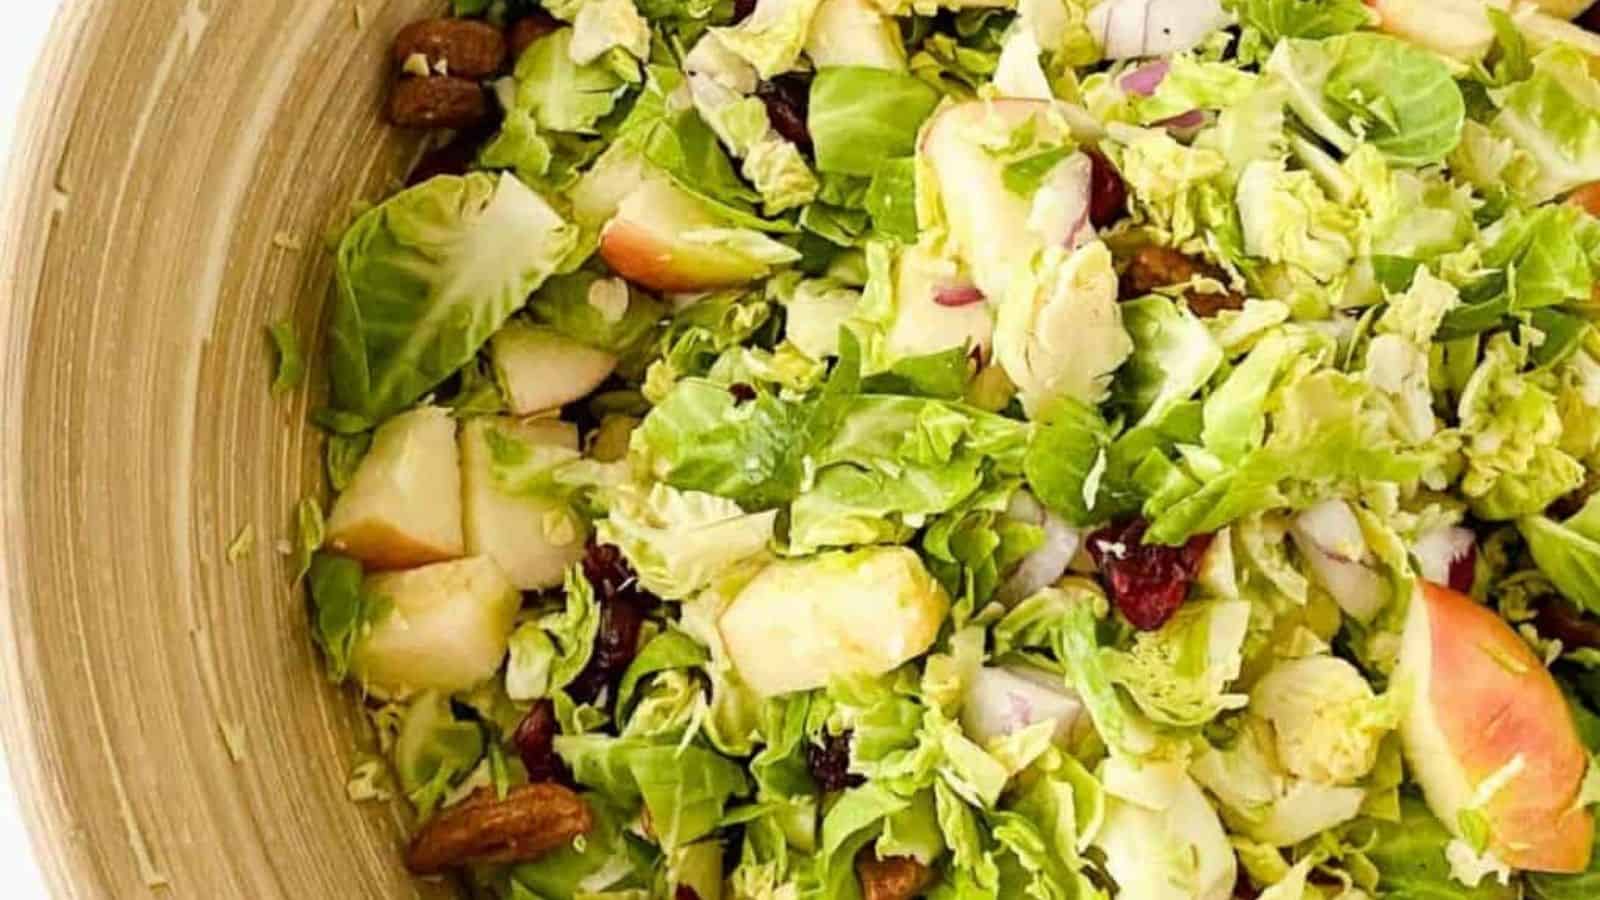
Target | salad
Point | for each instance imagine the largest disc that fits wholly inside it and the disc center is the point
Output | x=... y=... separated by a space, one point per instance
x=1137 y=449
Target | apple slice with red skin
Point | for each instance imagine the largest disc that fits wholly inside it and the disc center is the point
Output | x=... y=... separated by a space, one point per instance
x=1486 y=718
x=662 y=238
x=1460 y=28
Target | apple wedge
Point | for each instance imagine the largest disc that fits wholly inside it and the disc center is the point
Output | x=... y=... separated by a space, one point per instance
x=442 y=627
x=1461 y=29
x=534 y=538
x=541 y=370
x=1488 y=731
x=403 y=505
x=800 y=623
x=665 y=239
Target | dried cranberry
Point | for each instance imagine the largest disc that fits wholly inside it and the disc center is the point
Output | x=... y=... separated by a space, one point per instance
x=829 y=763
x=1464 y=570
x=742 y=10
x=742 y=393
x=1108 y=196
x=788 y=101
x=684 y=892
x=454 y=158
x=1148 y=582
x=623 y=605
x=1561 y=620
x=535 y=743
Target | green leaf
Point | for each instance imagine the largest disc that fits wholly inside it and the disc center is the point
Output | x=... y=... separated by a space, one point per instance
x=1278 y=19
x=434 y=751
x=1553 y=119
x=1023 y=176
x=291 y=362
x=1570 y=559
x=1174 y=355
x=1411 y=862
x=891 y=199
x=427 y=277
x=309 y=534
x=1069 y=465
x=860 y=117
x=339 y=608
x=943 y=376
x=1397 y=96
x=344 y=455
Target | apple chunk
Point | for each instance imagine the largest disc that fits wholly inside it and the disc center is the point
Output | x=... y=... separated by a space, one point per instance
x=666 y=239
x=403 y=505
x=542 y=370
x=1487 y=730
x=800 y=623
x=533 y=537
x=442 y=627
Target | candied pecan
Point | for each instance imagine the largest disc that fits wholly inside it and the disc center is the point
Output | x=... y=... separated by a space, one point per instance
x=1154 y=267
x=528 y=29
x=1148 y=582
x=464 y=48
x=438 y=102
x=533 y=819
x=895 y=878
x=829 y=763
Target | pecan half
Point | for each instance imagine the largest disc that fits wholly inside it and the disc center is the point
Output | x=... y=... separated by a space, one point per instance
x=464 y=48
x=1154 y=267
x=895 y=878
x=533 y=819
x=525 y=31
x=438 y=102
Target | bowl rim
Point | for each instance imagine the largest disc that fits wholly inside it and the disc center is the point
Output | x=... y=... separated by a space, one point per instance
x=30 y=188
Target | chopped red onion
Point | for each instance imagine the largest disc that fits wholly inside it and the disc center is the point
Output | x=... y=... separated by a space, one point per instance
x=1144 y=80
x=958 y=295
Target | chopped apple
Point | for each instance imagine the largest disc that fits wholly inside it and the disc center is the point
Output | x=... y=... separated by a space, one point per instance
x=542 y=370
x=987 y=220
x=800 y=623
x=1330 y=538
x=533 y=537
x=929 y=316
x=1461 y=29
x=403 y=505
x=1003 y=700
x=854 y=33
x=665 y=239
x=1487 y=730
x=442 y=627
x=1566 y=9
x=615 y=175
x=1587 y=198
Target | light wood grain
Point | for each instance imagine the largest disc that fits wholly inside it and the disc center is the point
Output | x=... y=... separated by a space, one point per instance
x=166 y=145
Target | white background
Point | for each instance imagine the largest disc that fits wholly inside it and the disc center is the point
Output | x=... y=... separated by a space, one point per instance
x=20 y=39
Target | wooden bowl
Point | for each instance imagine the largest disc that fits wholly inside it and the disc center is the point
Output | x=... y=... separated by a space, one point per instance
x=168 y=724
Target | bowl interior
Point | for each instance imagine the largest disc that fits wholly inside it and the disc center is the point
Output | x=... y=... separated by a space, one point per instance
x=169 y=726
